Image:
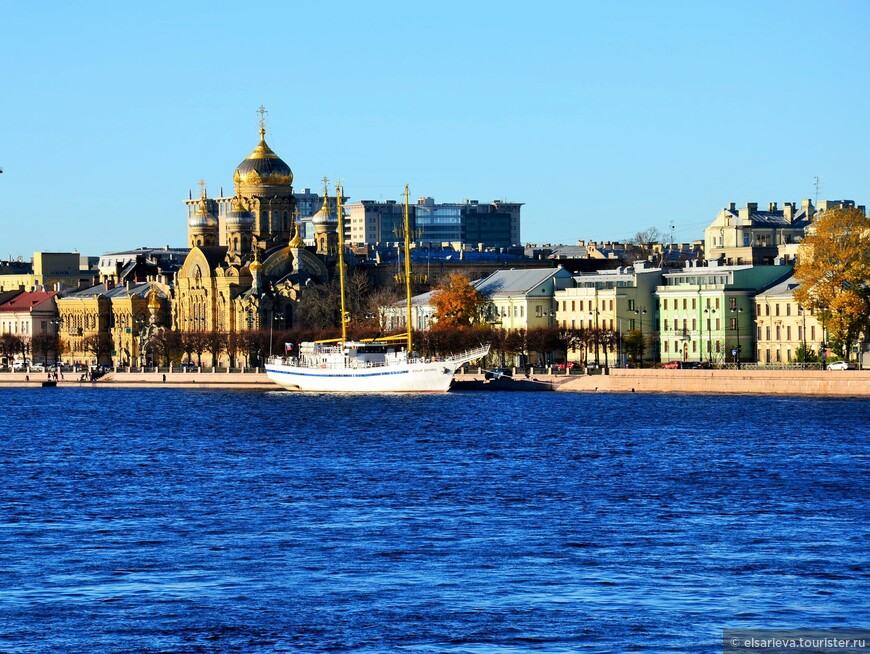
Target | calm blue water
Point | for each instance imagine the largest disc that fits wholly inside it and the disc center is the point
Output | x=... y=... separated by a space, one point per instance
x=205 y=521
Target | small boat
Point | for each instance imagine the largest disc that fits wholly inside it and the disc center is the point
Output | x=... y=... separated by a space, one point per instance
x=377 y=366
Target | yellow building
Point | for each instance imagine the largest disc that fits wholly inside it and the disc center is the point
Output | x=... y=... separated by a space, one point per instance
x=104 y=324
x=48 y=270
x=783 y=327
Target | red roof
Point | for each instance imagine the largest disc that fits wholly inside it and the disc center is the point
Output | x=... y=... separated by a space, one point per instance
x=27 y=301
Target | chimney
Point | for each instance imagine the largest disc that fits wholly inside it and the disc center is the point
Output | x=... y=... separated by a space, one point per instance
x=732 y=206
x=788 y=211
x=752 y=206
x=771 y=206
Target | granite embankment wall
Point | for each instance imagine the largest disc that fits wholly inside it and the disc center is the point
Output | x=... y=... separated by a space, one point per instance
x=136 y=379
x=751 y=382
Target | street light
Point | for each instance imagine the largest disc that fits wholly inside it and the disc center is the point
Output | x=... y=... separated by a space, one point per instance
x=737 y=311
x=803 y=315
x=57 y=322
x=271 y=323
x=709 y=311
x=640 y=312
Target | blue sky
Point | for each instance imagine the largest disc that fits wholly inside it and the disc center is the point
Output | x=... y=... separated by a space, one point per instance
x=603 y=118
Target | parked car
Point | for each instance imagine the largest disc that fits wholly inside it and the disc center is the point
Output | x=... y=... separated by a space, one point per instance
x=568 y=366
x=842 y=365
x=673 y=365
x=37 y=367
x=187 y=365
x=20 y=366
x=498 y=373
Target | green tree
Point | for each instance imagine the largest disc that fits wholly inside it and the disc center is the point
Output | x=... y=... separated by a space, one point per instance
x=215 y=344
x=633 y=344
x=99 y=345
x=834 y=270
x=10 y=345
x=45 y=344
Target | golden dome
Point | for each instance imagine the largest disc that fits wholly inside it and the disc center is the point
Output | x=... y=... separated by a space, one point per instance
x=324 y=221
x=254 y=266
x=296 y=241
x=202 y=219
x=263 y=167
x=239 y=218
x=153 y=300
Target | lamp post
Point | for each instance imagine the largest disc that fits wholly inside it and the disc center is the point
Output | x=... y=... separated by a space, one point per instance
x=737 y=311
x=140 y=324
x=709 y=312
x=271 y=324
x=803 y=315
x=57 y=322
x=640 y=312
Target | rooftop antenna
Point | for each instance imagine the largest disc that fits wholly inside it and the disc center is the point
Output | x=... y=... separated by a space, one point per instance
x=672 y=236
x=818 y=185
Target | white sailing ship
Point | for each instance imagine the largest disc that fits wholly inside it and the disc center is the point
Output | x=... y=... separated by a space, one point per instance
x=379 y=366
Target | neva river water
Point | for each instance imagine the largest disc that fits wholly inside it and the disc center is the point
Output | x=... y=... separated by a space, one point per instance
x=205 y=521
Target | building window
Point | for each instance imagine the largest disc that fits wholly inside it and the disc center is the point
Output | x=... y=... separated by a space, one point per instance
x=732 y=324
x=767 y=333
x=776 y=310
x=732 y=304
x=788 y=332
x=788 y=309
x=631 y=305
x=665 y=304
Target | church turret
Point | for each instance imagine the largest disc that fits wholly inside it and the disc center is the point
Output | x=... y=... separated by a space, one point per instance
x=239 y=225
x=325 y=226
x=265 y=182
x=202 y=227
x=255 y=267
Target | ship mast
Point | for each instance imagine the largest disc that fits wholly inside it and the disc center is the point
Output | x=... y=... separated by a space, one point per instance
x=408 y=269
x=338 y=193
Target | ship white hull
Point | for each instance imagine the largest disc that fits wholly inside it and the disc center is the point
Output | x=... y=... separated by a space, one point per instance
x=417 y=376
x=434 y=377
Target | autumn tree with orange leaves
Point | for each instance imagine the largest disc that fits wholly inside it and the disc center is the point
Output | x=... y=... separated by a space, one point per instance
x=457 y=303
x=834 y=270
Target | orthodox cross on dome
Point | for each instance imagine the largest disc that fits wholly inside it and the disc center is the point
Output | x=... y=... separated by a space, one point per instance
x=201 y=188
x=325 y=181
x=262 y=122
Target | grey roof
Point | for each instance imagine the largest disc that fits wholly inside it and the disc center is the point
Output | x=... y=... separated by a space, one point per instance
x=118 y=291
x=513 y=282
x=778 y=219
x=784 y=288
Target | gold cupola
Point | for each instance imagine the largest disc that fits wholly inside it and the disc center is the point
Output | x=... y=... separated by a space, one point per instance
x=263 y=167
x=153 y=300
x=296 y=241
x=323 y=221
